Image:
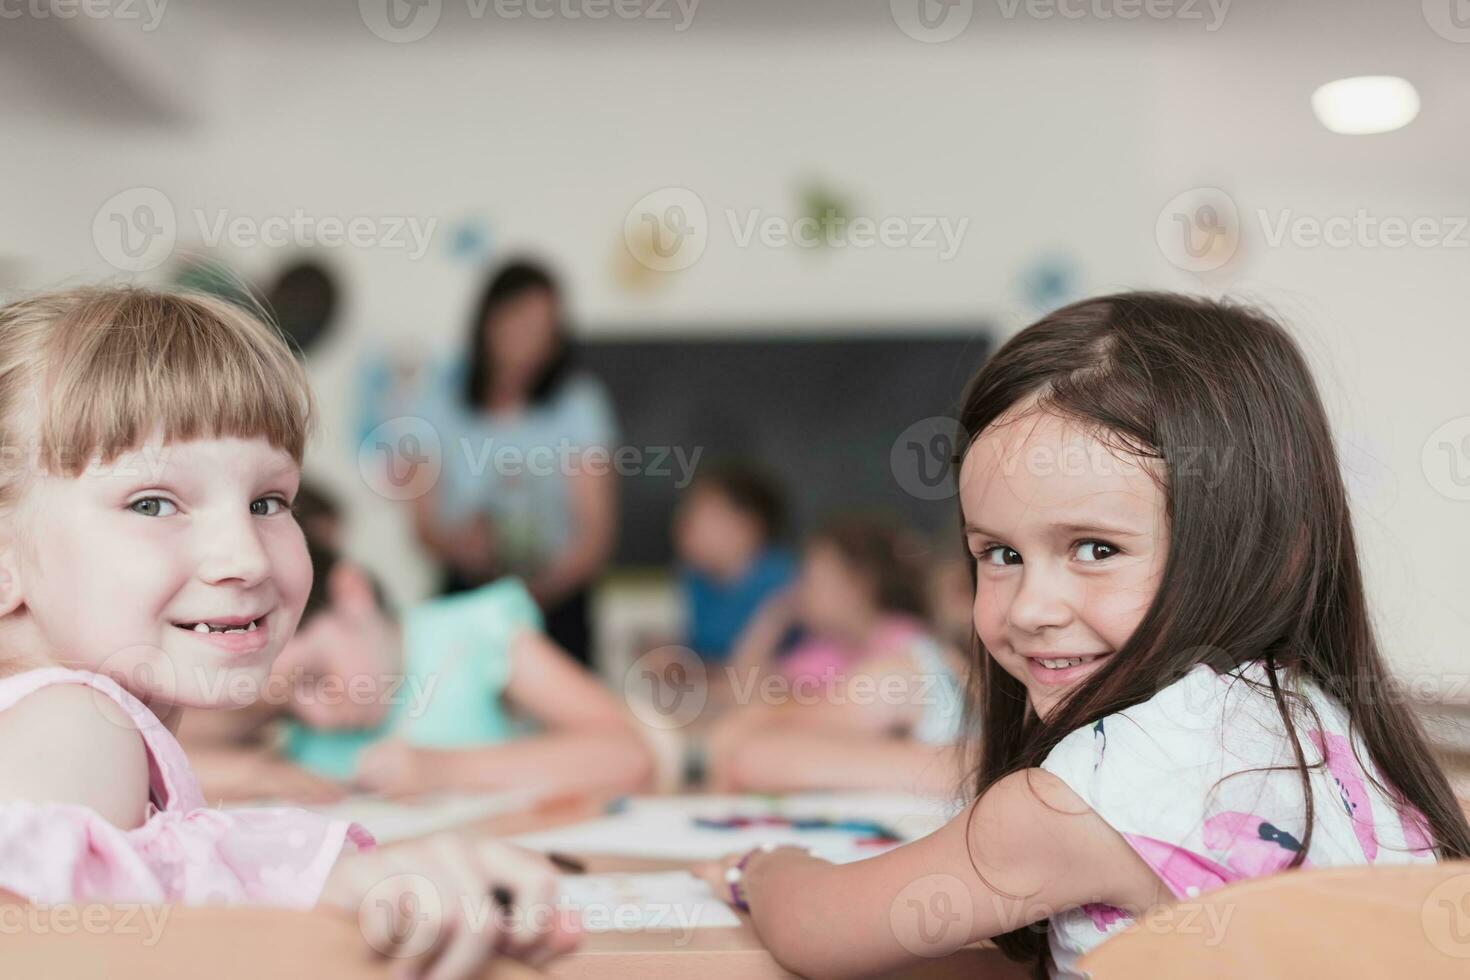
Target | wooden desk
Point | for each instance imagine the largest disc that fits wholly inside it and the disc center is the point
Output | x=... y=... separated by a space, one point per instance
x=734 y=953
x=708 y=954
x=219 y=943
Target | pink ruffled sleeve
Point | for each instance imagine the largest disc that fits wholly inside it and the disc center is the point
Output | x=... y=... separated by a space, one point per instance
x=52 y=853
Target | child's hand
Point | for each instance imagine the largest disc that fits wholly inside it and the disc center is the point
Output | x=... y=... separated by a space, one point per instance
x=394 y=768
x=343 y=697
x=446 y=905
x=778 y=613
x=717 y=873
x=227 y=773
x=291 y=782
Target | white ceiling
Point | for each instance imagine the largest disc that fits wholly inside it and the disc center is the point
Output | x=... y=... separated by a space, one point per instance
x=112 y=70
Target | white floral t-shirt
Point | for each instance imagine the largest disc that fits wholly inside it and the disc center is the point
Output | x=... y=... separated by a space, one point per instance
x=1185 y=778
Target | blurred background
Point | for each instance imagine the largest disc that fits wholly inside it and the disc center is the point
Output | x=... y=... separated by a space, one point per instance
x=780 y=232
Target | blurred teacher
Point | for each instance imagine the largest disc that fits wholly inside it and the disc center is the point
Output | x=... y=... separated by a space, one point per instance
x=520 y=493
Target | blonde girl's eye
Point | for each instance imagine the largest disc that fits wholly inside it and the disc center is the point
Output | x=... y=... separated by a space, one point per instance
x=999 y=554
x=1092 y=551
x=153 y=507
x=269 y=506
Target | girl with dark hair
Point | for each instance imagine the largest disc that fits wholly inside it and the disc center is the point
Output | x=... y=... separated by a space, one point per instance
x=526 y=487
x=1177 y=680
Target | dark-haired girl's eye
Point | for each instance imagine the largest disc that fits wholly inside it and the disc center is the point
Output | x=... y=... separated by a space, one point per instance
x=1094 y=551
x=263 y=508
x=999 y=554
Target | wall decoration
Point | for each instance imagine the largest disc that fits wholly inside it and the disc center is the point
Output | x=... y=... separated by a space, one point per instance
x=1050 y=281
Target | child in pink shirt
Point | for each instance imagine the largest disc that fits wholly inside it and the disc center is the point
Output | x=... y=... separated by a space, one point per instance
x=150 y=448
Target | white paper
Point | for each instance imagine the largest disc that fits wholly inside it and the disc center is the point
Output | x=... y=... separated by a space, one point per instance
x=663 y=826
x=390 y=820
x=645 y=902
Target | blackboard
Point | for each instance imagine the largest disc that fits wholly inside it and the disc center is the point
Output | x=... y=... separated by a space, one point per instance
x=822 y=413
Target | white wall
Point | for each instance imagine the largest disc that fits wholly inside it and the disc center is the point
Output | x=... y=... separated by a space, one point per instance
x=1046 y=135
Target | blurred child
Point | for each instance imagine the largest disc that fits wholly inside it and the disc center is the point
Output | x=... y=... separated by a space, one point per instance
x=950 y=602
x=149 y=563
x=725 y=534
x=868 y=700
x=465 y=694
x=320 y=515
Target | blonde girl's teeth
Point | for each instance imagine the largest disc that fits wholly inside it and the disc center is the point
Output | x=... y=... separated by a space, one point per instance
x=250 y=627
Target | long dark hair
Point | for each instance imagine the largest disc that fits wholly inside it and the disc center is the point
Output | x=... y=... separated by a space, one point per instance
x=1261 y=563
x=513 y=280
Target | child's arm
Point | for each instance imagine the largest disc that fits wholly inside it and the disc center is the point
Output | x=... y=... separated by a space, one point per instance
x=1034 y=850
x=223 y=727
x=881 y=697
x=70 y=744
x=790 y=759
x=755 y=649
x=594 y=516
x=235 y=773
x=589 y=743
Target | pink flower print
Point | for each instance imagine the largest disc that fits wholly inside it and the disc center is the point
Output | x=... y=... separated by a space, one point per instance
x=1186 y=873
x=1253 y=847
x=1103 y=916
x=1338 y=755
x=1416 y=829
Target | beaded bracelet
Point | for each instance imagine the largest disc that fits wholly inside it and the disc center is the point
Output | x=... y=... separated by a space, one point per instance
x=736 y=873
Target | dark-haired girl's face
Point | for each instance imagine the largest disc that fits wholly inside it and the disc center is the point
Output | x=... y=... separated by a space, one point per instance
x=1069 y=536
x=522 y=336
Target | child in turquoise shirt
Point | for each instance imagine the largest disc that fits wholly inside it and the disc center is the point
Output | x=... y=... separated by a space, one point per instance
x=465 y=693
x=456 y=653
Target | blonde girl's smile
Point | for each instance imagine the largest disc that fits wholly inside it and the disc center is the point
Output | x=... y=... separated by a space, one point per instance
x=192 y=567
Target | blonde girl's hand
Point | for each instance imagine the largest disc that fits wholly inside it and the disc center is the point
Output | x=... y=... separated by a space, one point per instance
x=445 y=906
x=394 y=768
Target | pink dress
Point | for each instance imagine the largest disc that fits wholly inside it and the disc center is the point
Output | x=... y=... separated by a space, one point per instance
x=820 y=661
x=184 y=852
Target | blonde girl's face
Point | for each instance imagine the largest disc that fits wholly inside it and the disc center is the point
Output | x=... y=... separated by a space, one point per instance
x=1069 y=538
x=121 y=563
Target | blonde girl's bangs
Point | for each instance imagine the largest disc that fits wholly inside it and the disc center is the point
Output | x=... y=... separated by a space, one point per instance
x=121 y=364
